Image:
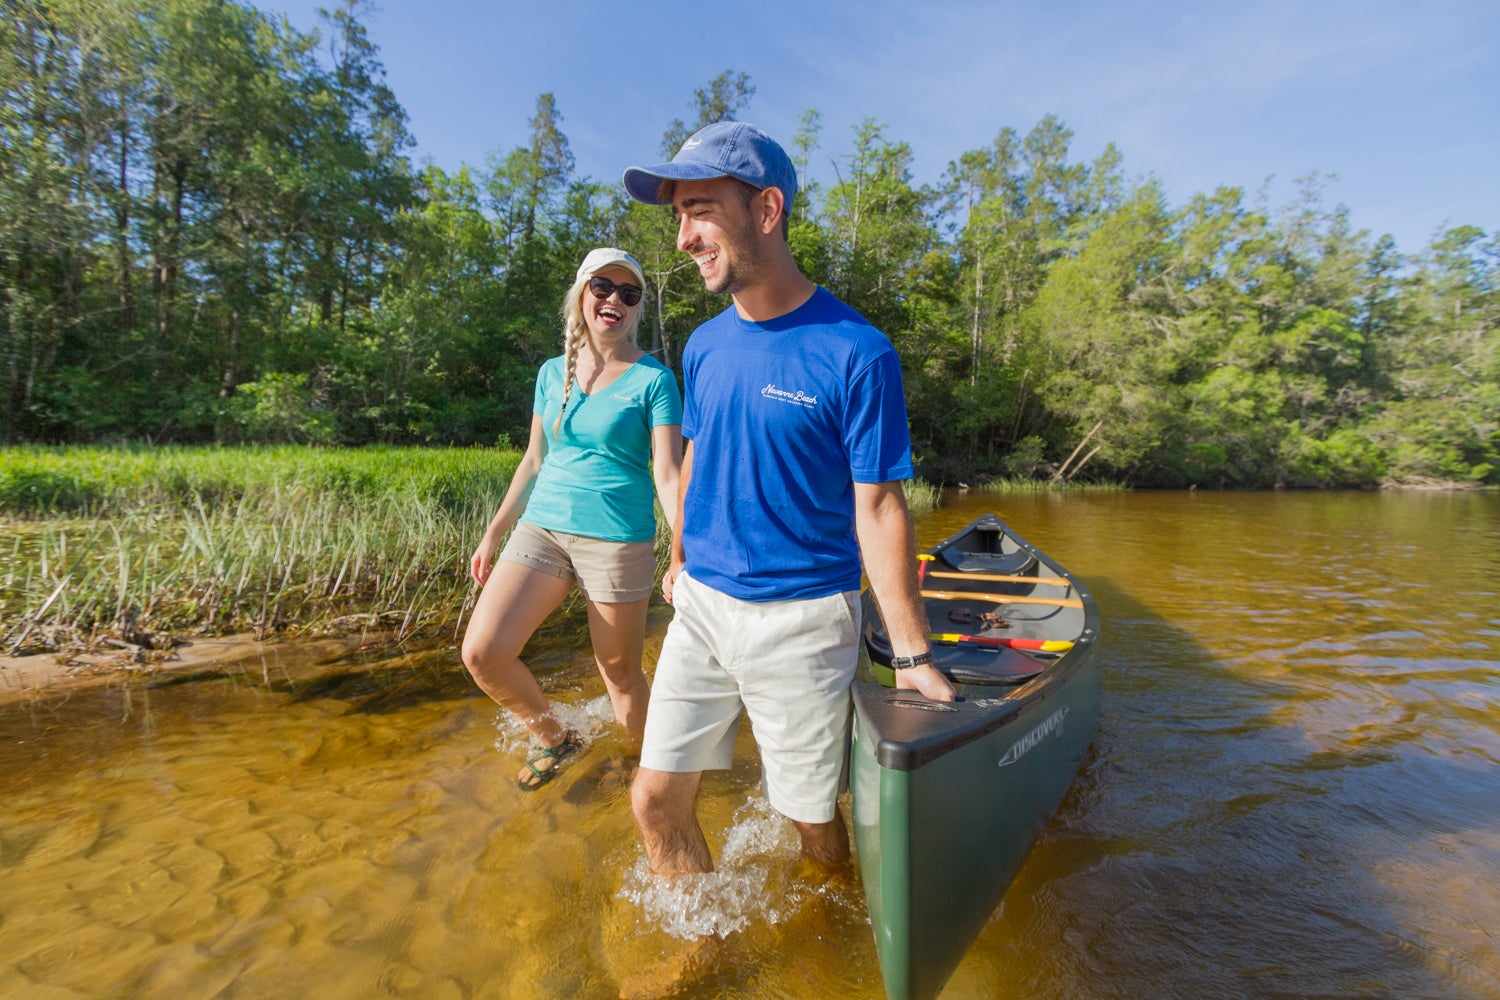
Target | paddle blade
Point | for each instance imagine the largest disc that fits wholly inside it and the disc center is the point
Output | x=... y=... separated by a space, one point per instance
x=1041 y=645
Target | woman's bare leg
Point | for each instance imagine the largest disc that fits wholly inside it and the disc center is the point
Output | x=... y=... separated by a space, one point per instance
x=618 y=631
x=514 y=602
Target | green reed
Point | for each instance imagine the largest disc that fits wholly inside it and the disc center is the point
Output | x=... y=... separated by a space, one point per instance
x=135 y=544
x=220 y=540
x=1018 y=485
x=921 y=497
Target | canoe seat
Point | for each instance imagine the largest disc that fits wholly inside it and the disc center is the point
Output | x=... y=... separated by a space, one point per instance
x=1017 y=563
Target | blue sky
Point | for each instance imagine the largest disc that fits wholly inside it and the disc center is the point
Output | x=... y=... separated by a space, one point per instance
x=1400 y=100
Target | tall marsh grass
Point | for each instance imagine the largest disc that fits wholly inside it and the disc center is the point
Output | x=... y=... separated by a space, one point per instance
x=137 y=544
x=1019 y=485
x=133 y=543
x=921 y=497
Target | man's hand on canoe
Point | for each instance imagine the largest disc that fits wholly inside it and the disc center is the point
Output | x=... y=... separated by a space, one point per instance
x=928 y=681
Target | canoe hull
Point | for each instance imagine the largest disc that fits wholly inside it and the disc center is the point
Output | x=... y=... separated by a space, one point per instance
x=947 y=802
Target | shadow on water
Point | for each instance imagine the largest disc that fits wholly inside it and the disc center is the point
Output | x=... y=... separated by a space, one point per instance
x=395 y=677
x=1263 y=814
x=369 y=686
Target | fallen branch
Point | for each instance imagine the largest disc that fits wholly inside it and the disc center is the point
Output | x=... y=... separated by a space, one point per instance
x=1084 y=461
x=1064 y=469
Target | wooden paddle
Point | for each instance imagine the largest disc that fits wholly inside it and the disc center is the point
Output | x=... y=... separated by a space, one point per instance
x=969 y=595
x=1052 y=581
x=1044 y=645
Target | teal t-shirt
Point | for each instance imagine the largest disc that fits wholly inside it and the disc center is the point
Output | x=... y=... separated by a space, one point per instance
x=596 y=476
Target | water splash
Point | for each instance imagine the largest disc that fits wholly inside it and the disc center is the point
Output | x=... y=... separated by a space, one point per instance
x=588 y=719
x=753 y=882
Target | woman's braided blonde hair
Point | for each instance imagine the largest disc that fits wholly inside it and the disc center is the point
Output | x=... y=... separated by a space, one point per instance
x=576 y=332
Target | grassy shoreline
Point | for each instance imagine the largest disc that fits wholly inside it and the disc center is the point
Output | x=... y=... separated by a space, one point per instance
x=139 y=544
x=143 y=545
x=135 y=549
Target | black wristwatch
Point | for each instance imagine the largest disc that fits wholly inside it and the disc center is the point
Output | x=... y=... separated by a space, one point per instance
x=904 y=662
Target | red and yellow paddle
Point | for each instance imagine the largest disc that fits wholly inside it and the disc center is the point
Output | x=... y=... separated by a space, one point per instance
x=1041 y=645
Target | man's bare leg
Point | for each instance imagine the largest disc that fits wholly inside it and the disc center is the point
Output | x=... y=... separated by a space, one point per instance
x=665 y=807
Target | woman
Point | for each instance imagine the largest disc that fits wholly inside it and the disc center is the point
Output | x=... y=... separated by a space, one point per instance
x=605 y=423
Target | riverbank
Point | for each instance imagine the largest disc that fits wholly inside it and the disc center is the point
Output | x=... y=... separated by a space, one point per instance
x=50 y=678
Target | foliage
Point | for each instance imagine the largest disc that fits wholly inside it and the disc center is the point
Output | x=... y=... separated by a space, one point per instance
x=112 y=482
x=210 y=231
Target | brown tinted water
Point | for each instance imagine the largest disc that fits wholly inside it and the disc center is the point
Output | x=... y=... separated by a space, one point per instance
x=1293 y=793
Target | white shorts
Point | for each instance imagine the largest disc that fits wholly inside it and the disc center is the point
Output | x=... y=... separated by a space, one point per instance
x=789 y=664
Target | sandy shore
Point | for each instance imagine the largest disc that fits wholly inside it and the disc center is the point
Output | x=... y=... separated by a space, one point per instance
x=48 y=675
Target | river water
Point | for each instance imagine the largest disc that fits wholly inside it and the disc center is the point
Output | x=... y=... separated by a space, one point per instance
x=1294 y=792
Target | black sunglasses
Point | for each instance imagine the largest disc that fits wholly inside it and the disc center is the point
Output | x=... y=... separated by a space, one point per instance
x=603 y=288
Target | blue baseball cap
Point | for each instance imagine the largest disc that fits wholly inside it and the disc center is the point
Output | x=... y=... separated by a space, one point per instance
x=723 y=149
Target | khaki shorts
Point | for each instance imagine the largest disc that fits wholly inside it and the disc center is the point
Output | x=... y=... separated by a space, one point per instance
x=607 y=572
x=788 y=664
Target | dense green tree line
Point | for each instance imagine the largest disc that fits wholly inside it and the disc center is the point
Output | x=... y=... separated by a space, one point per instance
x=210 y=231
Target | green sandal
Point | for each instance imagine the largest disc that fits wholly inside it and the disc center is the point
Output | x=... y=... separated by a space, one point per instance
x=571 y=744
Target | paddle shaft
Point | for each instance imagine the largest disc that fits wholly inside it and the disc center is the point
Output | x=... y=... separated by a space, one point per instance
x=969 y=595
x=1053 y=581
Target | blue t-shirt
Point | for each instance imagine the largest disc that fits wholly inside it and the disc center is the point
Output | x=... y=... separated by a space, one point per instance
x=596 y=478
x=785 y=417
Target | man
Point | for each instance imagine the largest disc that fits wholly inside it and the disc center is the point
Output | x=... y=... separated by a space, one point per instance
x=798 y=443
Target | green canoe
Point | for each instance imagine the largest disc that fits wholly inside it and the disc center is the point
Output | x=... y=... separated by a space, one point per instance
x=948 y=798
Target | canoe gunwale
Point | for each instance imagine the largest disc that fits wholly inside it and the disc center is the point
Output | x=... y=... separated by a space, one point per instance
x=872 y=700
